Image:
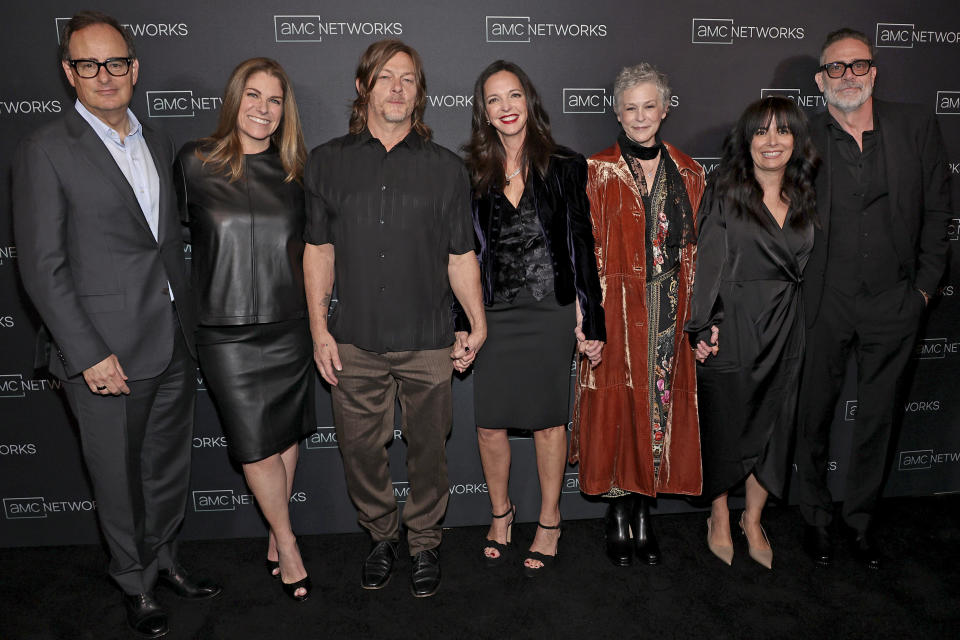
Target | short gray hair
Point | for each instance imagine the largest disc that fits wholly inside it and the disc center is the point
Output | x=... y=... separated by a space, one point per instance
x=629 y=77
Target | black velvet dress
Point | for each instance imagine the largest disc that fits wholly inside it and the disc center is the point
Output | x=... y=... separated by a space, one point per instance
x=748 y=285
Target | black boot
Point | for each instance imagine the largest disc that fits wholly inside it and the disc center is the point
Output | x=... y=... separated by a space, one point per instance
x=645 y=540
x=619 y=547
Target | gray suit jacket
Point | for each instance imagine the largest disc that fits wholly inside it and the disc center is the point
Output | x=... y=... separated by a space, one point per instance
x=86 y=254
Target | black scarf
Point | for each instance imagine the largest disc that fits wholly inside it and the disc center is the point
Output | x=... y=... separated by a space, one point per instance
x=676 y=206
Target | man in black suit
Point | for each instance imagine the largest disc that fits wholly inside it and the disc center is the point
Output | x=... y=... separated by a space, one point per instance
x=101 y=256
x=884 y=204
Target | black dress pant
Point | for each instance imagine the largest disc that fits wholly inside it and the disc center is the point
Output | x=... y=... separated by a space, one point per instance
x=880 y=329
x=137 y=451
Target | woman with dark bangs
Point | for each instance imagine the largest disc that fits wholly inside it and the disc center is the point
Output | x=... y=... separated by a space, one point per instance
x=756 y=233
x=541 y=293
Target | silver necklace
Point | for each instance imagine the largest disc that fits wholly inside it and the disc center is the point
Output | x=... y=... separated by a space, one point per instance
x=513 y=175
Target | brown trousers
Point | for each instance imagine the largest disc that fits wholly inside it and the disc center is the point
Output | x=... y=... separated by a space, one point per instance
x=363 y=407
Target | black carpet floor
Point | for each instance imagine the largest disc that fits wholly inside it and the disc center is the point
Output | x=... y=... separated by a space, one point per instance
x=62 y=592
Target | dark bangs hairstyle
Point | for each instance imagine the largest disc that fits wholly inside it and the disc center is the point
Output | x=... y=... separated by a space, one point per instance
x=735 y=181
x=485 y=156
x=371 y=64
x=223 y=150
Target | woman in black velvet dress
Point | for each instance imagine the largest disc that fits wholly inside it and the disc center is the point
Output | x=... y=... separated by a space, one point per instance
x=240 y=194
x=541 y=292
x=756 y=233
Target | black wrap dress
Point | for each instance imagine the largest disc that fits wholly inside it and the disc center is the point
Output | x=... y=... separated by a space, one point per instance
x=748 y=285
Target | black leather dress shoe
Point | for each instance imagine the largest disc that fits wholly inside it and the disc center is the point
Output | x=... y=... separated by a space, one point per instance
x=865 y=550
x=378 y=565
x=617 y=528
x=425 y=578
x=180 y=583
x=644 y=537
x=145 y=616
x=818 y=545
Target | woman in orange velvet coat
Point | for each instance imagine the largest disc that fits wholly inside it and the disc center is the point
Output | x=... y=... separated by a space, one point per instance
x=635 y=430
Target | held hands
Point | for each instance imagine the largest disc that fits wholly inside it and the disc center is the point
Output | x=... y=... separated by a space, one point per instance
x=703 y=349
x=590 y=348
x=107 y=377
x=465 y=349
x=593 y=349
x=327 y=356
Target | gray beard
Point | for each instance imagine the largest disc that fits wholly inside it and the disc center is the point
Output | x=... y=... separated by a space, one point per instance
x=834 y=100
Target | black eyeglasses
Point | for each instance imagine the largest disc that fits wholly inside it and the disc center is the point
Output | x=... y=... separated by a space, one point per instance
x=90 y=68
x=837 y=69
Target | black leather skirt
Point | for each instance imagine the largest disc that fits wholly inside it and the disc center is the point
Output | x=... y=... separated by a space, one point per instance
x=261 y=378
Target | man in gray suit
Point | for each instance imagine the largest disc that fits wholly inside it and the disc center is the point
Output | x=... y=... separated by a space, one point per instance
x=101 y=256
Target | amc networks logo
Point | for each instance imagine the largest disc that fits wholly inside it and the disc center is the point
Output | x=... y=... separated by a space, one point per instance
x=179 y=104
x=312 y=28
x=900 y=35
x=935 y=349
x=13 y=385
x=709 y=164
x=953 y=229
x=924 y=459
x=140 y=29
x=811 y=101
x=401 y=490
x=7 y=254
x=523 y=29
x=220 y=500
x=850 y=411
x=948 y=103
x=21 y=508
x=324 y=438
x=40 y=507
x=571 y=483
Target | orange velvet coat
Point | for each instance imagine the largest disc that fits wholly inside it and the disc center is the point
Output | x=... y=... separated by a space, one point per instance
x=611 y=427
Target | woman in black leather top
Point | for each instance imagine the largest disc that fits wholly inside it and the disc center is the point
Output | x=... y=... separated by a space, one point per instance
x=240 y=194
x=541 y=292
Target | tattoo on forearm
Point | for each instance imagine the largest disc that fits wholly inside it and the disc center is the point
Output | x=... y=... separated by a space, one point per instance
x=325 y=300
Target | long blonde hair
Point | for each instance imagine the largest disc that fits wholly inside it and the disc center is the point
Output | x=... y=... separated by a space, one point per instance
x=223 y=148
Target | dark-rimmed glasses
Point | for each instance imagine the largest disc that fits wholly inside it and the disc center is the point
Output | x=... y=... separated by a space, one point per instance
x=90 y=68
x=837 y=69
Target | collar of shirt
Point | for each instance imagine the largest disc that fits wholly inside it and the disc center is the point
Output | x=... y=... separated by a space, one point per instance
x=839 y=133
x=413 y=140
x=104 y=131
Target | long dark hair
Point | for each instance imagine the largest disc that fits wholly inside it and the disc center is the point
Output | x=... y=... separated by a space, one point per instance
x=371 y=64
x=485 y=156
x=735 y=181
x=223 y=149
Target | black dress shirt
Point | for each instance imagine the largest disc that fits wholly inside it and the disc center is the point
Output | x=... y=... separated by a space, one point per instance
x=523 y=258
x=862 y=254
x=394 y=219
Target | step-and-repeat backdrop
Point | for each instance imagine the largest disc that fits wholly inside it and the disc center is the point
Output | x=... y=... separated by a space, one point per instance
x=719 y=57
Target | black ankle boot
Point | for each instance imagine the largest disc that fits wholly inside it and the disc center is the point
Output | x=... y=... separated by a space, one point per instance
x=644 y=538
x=619 y=547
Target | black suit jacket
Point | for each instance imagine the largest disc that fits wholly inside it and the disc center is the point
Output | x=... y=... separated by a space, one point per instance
x=86 y=254
x=919 y=192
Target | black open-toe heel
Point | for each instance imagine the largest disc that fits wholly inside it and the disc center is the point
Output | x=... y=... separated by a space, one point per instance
x=547 y=561
x=273 y=568
x=502 y=549
x=291 y=588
